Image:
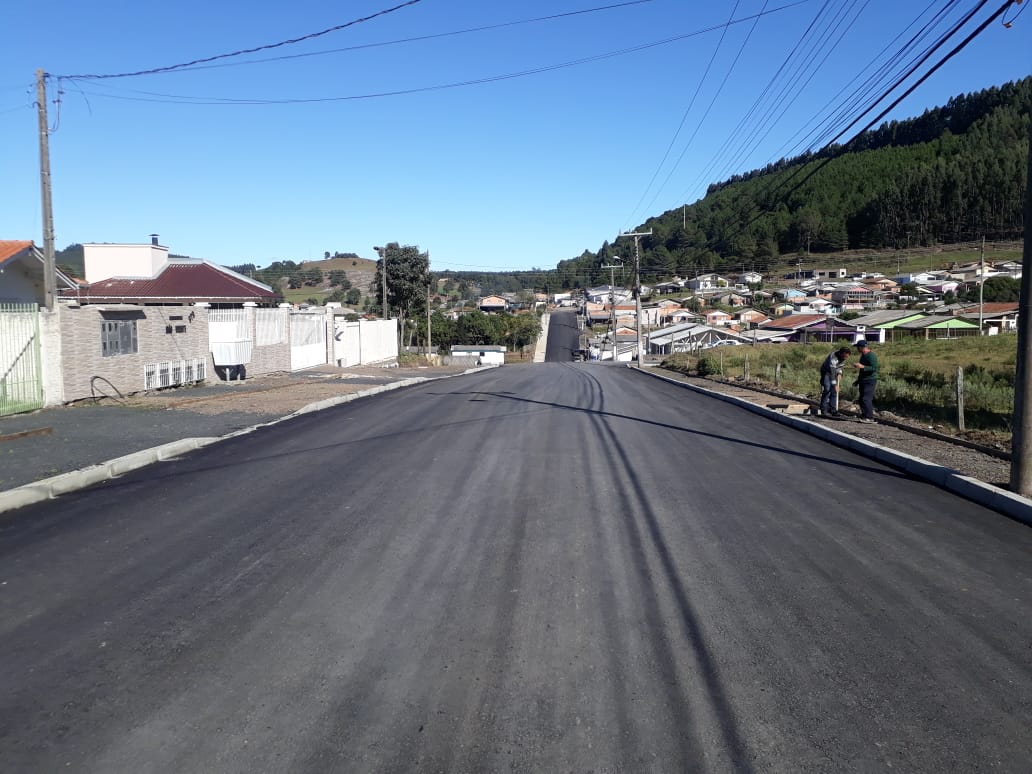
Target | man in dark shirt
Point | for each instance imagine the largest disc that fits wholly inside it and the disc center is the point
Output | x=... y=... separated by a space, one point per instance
x=867 y=379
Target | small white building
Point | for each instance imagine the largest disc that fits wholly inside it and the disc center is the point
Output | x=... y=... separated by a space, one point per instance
x=478 y=354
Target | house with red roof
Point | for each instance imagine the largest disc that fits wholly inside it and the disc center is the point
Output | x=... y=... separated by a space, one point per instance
x=21 y=273
x=811 y=327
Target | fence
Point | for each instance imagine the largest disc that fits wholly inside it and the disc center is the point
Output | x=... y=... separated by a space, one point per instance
x=21 y=372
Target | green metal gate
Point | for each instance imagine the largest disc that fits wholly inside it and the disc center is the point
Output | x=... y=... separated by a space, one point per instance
x=21 y=370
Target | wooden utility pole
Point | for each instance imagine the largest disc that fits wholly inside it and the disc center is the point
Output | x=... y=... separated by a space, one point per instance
x=637 y=286
x=49 y=283
x=1021 y=442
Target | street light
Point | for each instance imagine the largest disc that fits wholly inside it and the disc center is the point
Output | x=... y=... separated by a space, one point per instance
x=382 y=252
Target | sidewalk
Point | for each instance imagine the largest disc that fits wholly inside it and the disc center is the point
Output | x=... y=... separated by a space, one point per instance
x=85 y=443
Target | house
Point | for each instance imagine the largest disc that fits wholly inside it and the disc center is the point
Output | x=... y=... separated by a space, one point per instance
x=839 y=273
x=937 y=327
x=732 y=300
x=751 y=317
x=687 y=337
x=675 y=314
x=750 y=278
x=492 y=304
x=790 y=294
x=22 y=276
x=995 y=316
x=606 y=294
x=920 y=278
x=717 y=318
x=878 y=326
x=146 y=320
x=880 y=284
x=665 y=288
x=478 y=354
x=816 y=306
x=812 y=327
x=181 y=281
x=853 y=296
x=707 y=282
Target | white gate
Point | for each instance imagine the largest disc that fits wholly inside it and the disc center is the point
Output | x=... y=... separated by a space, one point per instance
x=347 y=344
x=21 y=370
x=229 y=337
x=307 y=340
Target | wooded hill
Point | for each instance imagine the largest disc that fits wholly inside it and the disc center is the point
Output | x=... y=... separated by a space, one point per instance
x=956 y=173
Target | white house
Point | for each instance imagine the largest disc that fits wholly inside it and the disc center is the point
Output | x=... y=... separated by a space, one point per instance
x=479 y=354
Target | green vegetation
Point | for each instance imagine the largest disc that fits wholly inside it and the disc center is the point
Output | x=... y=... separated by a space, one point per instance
x=511 y=330
x=918 y=377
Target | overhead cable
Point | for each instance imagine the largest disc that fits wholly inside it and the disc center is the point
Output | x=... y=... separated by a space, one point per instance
x=241 y=52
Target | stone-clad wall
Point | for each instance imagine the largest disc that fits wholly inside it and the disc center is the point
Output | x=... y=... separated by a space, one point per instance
x=87 y=372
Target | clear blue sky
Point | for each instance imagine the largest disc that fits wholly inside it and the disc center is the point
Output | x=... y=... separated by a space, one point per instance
x=511 y=173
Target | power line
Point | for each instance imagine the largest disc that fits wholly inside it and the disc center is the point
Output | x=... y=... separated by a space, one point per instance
x=241 y=52
x=419 y=38
x=193 y=100
x=687 y=110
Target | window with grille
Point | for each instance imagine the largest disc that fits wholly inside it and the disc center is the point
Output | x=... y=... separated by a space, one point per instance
x=117 y=337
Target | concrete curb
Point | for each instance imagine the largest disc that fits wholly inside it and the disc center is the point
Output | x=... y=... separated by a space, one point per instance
x=49 y=488
x=1010 y=504
x=541 y=345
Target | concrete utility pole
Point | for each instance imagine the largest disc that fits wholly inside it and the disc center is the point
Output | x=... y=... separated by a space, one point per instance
x=981 y=287
x=612 y=301
x=637 y=285
x=382 y=252
x=1021 y=442
x=429 y=282
x=49 y=283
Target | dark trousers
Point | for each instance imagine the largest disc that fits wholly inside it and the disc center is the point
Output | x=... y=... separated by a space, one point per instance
x=867 y=398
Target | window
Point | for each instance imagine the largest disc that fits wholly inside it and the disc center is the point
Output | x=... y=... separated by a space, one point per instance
x=117 y=337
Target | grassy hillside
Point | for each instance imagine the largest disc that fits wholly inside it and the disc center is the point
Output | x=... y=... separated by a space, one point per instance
x=917 y=381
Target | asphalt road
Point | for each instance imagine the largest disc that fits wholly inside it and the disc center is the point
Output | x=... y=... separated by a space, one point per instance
x=563 y=337
x=555 y=567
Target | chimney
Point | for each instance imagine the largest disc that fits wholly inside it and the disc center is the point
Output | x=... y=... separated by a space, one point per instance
x=154 y=239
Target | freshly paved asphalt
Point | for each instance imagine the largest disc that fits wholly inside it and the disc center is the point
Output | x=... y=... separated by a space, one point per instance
x=536 y=568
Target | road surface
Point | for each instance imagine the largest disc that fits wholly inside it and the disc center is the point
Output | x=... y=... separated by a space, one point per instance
x=553 y=567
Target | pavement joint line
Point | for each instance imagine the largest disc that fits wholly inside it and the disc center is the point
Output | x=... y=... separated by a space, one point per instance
x=54 y=486
x=1008 y=503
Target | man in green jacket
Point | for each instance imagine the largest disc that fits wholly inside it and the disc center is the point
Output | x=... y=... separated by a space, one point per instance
x=866 y=380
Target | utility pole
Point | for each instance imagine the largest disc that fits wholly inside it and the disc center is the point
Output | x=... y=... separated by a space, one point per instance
x=1021 y=441
x=44 y=179
x=981 y=285
x=612 y=301
x=382 y=252
x=429 y=282
x=637 y=286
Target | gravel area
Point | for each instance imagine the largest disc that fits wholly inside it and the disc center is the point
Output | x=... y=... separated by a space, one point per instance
x=969 y=462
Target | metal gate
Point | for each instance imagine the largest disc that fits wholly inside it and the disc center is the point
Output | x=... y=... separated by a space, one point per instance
x=21 y=369
x=229 y=337
x=307 y=340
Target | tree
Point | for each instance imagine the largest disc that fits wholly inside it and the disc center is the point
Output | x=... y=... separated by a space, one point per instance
x=408 y=272
x=353 y=296
x=337 y=277
x=1000 y=289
